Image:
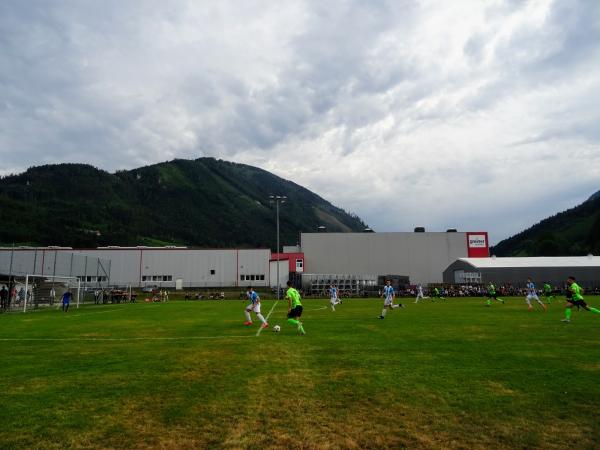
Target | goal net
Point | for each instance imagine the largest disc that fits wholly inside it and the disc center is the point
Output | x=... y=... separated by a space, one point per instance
x=47 y=291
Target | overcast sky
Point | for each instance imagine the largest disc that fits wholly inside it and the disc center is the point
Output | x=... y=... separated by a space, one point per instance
x=479 y=115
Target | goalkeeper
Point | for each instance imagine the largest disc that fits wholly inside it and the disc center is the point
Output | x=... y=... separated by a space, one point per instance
x=66 y=300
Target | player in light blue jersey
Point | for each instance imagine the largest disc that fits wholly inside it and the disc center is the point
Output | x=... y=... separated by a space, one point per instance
x=532 y=295
x=389 y=295
x=254 y=305
x=333 y=293
x=420 y=295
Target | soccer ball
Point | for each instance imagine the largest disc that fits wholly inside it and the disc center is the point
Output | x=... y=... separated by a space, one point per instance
x=276 y=328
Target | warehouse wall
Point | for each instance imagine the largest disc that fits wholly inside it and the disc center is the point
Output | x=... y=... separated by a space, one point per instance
x=48 y=261
x=284 y=273
x=197 y=268
x=421 y=256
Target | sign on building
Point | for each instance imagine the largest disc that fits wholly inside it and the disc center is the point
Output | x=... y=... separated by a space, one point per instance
x=477 y=245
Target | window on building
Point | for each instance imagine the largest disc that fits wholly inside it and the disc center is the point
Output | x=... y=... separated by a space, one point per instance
x=242 y=277
x=252 y=277
x=299 y=264
x=213 y=271
x=262 y=277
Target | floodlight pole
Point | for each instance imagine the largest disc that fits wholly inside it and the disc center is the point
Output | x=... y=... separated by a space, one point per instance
x=277 y=199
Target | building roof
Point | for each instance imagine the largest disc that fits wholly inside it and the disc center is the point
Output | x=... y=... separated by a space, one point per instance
x=543 y=261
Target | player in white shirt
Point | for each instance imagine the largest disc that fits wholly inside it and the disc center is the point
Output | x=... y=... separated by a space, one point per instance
x=389 y=295
x=532 y=295
x=254 y=305
x=333 y=292
x=420 y=295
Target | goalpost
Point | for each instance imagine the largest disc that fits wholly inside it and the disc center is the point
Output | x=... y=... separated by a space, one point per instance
x=48 y=288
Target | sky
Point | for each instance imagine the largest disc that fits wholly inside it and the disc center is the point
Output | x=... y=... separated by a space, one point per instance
x=475 y=115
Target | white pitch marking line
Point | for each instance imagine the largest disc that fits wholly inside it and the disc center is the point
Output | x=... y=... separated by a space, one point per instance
x=181 y=338
x=93 y=312
x=50 y=308
x=267 y=318
x=317 y=309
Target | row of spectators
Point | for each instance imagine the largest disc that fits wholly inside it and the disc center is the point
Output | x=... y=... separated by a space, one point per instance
x=506 y=290
x=207 y=296
x=104 y=296
x=11 y=296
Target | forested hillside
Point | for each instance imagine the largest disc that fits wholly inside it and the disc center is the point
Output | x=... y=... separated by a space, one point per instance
x=204 y=202
x=572 y=232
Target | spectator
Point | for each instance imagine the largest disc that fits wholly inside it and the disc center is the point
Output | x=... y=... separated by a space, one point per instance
x=21 y=295
x=3 y=297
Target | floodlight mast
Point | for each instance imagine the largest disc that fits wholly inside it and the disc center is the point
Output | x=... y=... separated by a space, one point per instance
x=277 y=199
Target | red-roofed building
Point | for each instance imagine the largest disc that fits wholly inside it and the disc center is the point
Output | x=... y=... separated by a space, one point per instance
x=295 y=261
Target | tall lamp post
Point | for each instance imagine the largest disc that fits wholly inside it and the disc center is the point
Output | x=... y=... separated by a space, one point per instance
x=277 y=199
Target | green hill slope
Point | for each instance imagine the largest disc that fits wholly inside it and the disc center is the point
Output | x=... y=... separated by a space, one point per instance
x=204 y=202
x=572 y=232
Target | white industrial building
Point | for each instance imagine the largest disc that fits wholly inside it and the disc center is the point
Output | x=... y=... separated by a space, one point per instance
x=422 y=256
x=53 y=261
x=185 y=267
x=143 y=266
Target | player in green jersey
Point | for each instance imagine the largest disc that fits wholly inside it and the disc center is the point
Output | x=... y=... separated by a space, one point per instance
x=548 y=293
x=491 y=294
x=294 y=307
x=576 y=299
x=435 y=294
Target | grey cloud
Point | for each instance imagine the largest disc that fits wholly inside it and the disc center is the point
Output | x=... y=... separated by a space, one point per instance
x=578 y=23
x=532 y=58
x=569 y=37
x=584 y=131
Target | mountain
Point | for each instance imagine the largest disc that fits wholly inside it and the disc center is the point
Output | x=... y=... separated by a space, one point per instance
x=204 y=202
x=594 y=196
x=572 y=232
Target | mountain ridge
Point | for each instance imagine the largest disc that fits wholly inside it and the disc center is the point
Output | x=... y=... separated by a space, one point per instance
x=573 y=232
x=594 y=196
x=203 y=202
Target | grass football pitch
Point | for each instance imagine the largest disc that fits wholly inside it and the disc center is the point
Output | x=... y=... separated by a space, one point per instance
x=177 y=375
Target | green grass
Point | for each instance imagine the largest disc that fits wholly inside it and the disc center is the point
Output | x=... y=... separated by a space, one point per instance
x=446 y=375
